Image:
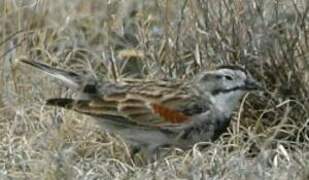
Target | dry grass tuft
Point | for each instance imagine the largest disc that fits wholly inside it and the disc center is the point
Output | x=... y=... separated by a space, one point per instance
x=153 y=39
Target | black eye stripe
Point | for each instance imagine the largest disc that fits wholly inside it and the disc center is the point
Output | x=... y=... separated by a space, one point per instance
x=218 y=91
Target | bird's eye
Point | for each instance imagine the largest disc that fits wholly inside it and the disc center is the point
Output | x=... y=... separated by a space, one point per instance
x=228 y=77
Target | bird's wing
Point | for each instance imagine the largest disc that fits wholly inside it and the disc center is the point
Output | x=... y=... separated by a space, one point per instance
x=144 y=103
x=141 y=102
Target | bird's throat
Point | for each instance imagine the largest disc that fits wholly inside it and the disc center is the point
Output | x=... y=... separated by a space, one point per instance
x=227 y=102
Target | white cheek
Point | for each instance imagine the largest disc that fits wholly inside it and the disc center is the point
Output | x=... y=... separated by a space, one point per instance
x=243 y=76
x=230 y=84
x=240 y=83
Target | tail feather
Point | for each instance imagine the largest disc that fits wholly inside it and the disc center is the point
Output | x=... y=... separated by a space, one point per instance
x=70 y=79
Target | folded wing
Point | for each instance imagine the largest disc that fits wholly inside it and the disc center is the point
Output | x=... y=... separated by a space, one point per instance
x=150 y=103
x=152 y=106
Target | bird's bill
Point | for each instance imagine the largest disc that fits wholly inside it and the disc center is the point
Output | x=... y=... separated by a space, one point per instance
x=251 y=84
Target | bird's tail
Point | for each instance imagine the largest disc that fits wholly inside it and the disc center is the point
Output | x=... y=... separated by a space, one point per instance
x=70 y=79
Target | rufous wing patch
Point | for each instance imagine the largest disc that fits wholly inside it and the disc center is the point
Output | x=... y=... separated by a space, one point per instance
x=169 y=114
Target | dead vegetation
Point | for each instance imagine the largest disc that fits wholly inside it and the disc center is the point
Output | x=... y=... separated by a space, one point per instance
x=170 y=39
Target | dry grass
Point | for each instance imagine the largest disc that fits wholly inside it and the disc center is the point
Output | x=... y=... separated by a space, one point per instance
x=268 y=138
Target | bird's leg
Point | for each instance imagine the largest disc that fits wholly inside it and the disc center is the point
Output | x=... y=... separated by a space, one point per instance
x=143 y=154
x=134 y=150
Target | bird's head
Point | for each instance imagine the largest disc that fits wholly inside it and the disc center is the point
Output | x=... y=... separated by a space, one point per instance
x=226 y=85
x=227 y=78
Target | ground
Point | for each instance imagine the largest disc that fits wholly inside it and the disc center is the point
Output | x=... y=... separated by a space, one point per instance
x=162 y=39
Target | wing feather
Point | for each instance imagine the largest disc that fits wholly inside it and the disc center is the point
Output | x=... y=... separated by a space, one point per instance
x=140 y=102
x=153 y=107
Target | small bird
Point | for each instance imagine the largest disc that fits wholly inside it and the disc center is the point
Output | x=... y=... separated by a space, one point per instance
x=153 y=114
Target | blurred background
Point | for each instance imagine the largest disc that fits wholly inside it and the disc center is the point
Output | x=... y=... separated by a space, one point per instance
x=159 y=39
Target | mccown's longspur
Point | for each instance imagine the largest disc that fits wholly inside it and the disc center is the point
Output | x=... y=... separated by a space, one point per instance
x=152 y=114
